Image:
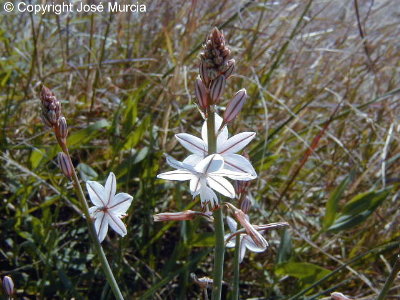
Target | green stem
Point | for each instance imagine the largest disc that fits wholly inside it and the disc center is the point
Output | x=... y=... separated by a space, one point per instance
x=391 y=278
x=235 y=293
x=92 y=231
x=218 y=218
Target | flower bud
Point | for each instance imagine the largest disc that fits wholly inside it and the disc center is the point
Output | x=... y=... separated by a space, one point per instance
x=65 y=164
x=62 y=128
x=8 y=285
x=203 y=73
x=245 y=204
x=201 y=94
x=229 y=68
x=217 y=88
x=45 y=121
x=243 y=219
x=235 y=106
x=241 y=186
x=180 y=216
x=51 y=107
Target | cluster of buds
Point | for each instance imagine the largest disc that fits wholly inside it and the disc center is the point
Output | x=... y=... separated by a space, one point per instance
x=242 y=192
x=215 y=59
x=51 y=116
x=51 y=107
x=216 y=67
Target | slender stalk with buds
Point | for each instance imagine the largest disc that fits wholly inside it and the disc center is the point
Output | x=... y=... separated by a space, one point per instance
x=51 y=116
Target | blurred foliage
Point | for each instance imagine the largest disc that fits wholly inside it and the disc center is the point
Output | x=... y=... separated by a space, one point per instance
x=126 y=83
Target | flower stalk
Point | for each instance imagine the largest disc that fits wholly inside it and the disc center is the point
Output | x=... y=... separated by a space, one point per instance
x=51 y=116
x=219 y=251
x=236 y=269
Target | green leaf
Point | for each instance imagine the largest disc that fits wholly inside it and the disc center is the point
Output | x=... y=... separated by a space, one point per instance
x=136 y=135
x=358 y=209
x=333 y=202
x=36 y=157
x=307 y=273
x=203 y=240
x=285 y=247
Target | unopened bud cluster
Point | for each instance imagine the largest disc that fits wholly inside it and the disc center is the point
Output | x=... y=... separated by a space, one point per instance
x=215 y=59
x=51 y=113
x=51 y=107
x=216 y=67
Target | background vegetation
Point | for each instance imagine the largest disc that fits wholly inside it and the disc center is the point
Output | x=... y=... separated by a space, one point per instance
x=323 y=80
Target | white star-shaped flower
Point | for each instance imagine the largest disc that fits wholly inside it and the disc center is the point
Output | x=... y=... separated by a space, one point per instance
x=226 y=147
x=246 y=242
x=109 y=208
x=205 y=176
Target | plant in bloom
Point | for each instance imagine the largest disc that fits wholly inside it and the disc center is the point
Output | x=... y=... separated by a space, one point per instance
x=226 y=147
x=205 y=175
x=108 y=207
x=246 y=242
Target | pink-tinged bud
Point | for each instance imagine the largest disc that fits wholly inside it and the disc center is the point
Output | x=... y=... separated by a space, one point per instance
x=217 y=88
x=45 y=121
x=243 y=219
x=338 y=296
x=180 y=216
x=241 y=186
x=51 y=107
x=65 y=164
x=245 y=204
x=230 y=68
x=235 y=106
x=203 y=73
x=62 y=128
x=201 y=94
x=217 y=37
x=8 y=285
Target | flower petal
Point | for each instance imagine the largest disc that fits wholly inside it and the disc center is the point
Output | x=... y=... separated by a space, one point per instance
x=179 y=165
x=239 y=163
x=221 y=185
x=207 y=196
x=93 y=211
x=242 y=251
x=116 y=223
x=110 y=188
x=180 y=175
x=234 y=175
x=232 y=241
x=236 y=143
x=120 y=204
x=249 y=243
x=222 y=136
x=192 y=143
x=193 y=159
x=195 y=185
x=101 y=225
x=231 y=224
x=211 y=163
x=96 y=193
